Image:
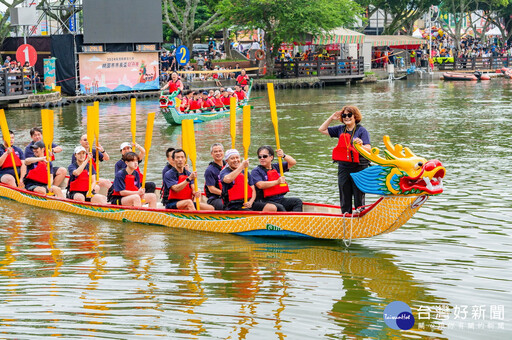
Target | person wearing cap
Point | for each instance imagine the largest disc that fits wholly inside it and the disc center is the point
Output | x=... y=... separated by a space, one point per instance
x=226 y=95
x=271 y=187
x=212 y=184
x=208 y=104
x=59 y=173
x=36 y=179
x=243 y=80
x=78 y=184
x=179 y=181
x=121 y=164
x=7 y=175
x=102 y=156
x=232 y=179
x=127 y=188
x=217 y=99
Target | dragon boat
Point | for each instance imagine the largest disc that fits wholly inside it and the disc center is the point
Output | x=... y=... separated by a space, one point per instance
x=404 y=180
x=169 y=108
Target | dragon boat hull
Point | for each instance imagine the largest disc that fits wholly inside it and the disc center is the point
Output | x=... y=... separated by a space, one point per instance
x=175 y=117
x=317 y=221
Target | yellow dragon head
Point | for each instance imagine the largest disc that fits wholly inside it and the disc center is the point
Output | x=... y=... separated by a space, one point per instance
x=400 y=172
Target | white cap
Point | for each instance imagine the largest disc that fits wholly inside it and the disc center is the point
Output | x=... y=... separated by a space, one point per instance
x=230 y=90
x=231 y=152
x=124 y=145
x=79 y=149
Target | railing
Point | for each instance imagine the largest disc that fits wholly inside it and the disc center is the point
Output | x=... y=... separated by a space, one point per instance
x=474 y=63
x=16 y=83
x=319 y=68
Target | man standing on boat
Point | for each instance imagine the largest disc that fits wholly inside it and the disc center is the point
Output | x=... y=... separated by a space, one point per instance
x=232 y=179
x=7 y=175
x=36 y=179
x=212 y=185
x=270 y=186
x=179 y=180
x=59 y=174
x=121 y=164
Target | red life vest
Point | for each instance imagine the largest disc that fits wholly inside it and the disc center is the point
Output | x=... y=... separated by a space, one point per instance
x=236 y=192
x=174 y=86
x=218 y=102
x=226 y=100
x=208 y=103
x=81 y=182
x=53 y=156
x=184 y=194
x=241 y=80
x=240 y=95
x=129 y=184
x=195 y=105
x=8 y=161
x=272 y=175
x=343 y=153
x=39 y=173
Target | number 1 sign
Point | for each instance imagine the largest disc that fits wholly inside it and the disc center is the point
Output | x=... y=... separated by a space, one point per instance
x=25 y=53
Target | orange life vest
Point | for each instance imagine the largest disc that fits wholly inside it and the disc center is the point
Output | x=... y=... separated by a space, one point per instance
x=272 y=175
x=8 y=161
x=39 y=173
x=236 y=192
x=184 y=194
x=345 y=151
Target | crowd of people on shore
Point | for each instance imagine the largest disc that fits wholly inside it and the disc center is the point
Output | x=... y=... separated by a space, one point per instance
x=224 y=187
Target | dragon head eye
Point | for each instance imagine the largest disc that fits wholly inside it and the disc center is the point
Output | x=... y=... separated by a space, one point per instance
x=418 y=165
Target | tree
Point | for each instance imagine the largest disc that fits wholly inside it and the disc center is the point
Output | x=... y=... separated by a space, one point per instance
x=289 y=20
x=5 y=29
x=190 y=19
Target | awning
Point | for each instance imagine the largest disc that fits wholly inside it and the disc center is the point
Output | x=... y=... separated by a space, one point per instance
x=339 y=36
x=394 y=40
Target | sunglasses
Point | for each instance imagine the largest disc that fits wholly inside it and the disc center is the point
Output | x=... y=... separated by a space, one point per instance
x=262 y=156
x=345 y=115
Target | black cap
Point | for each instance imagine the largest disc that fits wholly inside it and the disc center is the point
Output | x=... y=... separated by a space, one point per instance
x=205 y=92
x=38 y=145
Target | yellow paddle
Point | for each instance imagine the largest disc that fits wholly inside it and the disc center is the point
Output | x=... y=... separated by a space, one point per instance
x=90 y=138
x=273 y=115
x=134 y=118
x=97 y=137
x=193 y=154
x=246 y=143
x=232 y=117
x=147 y=146
x=47 y=123
x=7 y=138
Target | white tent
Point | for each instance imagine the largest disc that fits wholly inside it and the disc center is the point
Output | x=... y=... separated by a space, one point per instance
x=494 y=31
x=417 y=33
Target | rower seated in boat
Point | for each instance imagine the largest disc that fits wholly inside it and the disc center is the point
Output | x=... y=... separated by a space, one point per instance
x=37 y=177
x=212 y=184
x=179 y=181
x=121 y=164
x=7 y=174
x=232 y=178
x=127 y=185
x=208 y=103
x=102 y=156
x=78 y=184
x=271 y=187
x=239 y=93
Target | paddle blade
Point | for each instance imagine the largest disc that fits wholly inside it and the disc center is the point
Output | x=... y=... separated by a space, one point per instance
x=90 y=126
x=134 y=118
x=184 y=136
x=192 y=144
x=272 y=102
x=232 y=117
x=5 y=128
x=97 y=121
x=247 y=130
x=149 y=131
x=50 y=128
x=44 y=125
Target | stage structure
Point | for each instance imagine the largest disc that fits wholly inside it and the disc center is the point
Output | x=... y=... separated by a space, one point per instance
x=100 y=46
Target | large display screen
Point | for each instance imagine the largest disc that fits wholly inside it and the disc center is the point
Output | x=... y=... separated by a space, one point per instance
x=118 y=72
x=122 y=21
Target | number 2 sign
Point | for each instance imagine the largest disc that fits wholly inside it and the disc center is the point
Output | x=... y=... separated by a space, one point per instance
x=25 y=53
x=182 y=55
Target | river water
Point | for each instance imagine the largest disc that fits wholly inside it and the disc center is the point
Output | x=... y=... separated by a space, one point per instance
x=68 y=276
